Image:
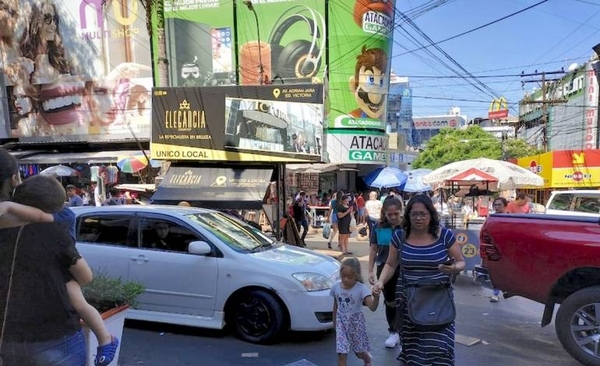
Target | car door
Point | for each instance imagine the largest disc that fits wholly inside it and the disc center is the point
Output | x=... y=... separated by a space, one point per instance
x=105 y=241
x=176 y=281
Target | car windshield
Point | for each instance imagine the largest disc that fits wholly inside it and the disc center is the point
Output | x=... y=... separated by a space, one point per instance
x=232 y=232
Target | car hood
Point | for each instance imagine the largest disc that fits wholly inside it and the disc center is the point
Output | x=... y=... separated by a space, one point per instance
x=295 y=259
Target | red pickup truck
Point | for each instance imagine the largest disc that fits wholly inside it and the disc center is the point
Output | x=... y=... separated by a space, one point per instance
x=551 y=260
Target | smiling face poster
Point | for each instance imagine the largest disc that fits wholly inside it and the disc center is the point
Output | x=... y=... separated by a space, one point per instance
x=76 y=70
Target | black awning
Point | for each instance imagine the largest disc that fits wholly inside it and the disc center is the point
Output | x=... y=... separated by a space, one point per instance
x=219 y=188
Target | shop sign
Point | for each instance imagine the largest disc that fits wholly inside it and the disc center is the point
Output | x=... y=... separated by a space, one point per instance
x=498 y=109
x=83 y=91
x=534 y=167
x=436 y=123
x=591 y=108
x=252 y=123
x=350 y=147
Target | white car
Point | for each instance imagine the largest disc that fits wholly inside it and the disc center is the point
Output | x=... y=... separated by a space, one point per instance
x=584 y=202
x=206 y=269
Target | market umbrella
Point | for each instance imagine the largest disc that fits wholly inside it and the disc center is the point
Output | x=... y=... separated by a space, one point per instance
x=414 y=183
x=509 y=175
x=132 y=163
x=388 y=177
x=59 y=170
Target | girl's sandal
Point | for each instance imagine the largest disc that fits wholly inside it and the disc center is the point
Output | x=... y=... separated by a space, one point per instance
x=105 y=354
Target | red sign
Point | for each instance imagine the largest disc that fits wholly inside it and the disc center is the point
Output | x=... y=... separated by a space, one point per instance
x=534 y=167
x=577 y=176
x=503 y=113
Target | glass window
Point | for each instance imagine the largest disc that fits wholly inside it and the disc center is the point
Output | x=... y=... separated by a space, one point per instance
x=105 y=229
x=561 y=202
x=232 y=232
x=587 y=204
x=166 y=235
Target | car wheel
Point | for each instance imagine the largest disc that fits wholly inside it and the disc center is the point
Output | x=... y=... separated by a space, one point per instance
x=258 y=317
x=578 y=325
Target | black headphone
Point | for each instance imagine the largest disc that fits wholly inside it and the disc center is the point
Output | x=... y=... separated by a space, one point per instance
x=300 y=58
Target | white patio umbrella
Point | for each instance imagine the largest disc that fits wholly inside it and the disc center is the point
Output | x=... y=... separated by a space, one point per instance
x=509 y=175
x=415 y=180
x=59 y=170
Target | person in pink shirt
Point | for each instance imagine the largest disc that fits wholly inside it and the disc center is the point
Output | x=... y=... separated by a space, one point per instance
x=520 y=205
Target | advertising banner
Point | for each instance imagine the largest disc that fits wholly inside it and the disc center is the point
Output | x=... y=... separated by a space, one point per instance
x=590 y=123
x=438 y=122
x=351 y=147
x=566 y=168
x=78 y=70
x=281 y=42
x=360 y=38
x=265 y=123
x=200 y=40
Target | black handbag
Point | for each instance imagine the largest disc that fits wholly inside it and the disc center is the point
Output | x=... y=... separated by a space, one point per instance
x=430 y=305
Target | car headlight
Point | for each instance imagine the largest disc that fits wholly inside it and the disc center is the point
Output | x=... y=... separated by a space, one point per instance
x=313 y=281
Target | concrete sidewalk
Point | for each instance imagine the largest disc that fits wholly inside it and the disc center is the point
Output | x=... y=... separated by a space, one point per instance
x=359 y=246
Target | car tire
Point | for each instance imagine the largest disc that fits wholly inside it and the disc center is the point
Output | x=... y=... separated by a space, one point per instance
x=258 y=317
x=577 y=309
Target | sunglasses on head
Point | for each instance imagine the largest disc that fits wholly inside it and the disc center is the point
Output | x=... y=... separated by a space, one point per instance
x=8 y=9
x=48 y=18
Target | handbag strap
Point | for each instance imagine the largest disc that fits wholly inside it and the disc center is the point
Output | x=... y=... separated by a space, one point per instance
x=10 y=283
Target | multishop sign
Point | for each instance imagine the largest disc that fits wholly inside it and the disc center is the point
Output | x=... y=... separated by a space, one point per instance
x=436 y=123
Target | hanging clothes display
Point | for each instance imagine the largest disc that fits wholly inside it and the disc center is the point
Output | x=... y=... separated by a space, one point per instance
x=112 y=173
x=94 y=171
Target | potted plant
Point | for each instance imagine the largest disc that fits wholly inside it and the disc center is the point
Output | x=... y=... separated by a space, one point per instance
x=111 y=296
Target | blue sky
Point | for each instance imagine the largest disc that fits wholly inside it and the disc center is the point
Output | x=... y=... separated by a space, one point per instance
x=552 y=35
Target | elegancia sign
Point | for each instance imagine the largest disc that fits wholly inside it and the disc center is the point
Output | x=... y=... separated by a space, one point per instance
x=238 y=123
x=78 y=70
x=438 y=122
x=354 y=147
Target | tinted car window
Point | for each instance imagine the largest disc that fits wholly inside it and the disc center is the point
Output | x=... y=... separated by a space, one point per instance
x=561 y=202
x=587 y=204
x=105 y=229
x=166 y=235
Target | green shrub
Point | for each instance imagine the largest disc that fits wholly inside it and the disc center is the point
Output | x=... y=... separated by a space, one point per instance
x=106 y=292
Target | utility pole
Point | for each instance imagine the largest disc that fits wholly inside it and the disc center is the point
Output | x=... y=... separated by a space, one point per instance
x=545 y=100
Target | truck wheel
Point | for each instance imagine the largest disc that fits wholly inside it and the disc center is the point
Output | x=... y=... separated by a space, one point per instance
x=578 y=325
x=258 y=317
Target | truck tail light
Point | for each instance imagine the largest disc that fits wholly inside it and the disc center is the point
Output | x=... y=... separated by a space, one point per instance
x=487 y=247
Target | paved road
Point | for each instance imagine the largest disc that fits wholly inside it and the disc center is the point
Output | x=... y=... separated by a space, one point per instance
x=509 y=331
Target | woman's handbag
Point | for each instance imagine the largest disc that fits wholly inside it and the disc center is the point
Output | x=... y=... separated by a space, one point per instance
x=326 y=230
x=430 y=305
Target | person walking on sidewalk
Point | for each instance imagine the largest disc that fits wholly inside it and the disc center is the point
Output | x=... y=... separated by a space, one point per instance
x=499 y=206
x=299 y=209
x=333 y=217
x=380 y=239
x=373 y=210
x=344 y=212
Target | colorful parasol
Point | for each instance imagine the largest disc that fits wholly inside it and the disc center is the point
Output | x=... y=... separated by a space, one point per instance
x=132 y=163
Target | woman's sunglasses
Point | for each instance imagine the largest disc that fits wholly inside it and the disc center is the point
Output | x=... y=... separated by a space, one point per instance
x=48 y=18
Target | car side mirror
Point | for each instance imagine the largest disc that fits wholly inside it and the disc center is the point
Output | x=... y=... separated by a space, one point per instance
x=199 y=247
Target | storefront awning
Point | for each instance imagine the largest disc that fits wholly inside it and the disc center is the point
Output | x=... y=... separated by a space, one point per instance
x=218 y=188
x=96 y=157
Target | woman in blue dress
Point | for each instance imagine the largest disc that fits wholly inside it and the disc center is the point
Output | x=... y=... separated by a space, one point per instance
x=422 y=249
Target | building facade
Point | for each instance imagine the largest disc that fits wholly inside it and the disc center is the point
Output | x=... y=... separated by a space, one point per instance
x=399 y=111
x=428 y=126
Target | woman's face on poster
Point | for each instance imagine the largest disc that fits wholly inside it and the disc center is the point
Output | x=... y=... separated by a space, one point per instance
x=103 y=98
x=8 y=18
x=22 y=104
x=50 y=23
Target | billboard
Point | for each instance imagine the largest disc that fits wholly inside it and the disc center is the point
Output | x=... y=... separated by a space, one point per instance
x=281 y=42
x=78 y=70
x=200 y=40
x=360 y=37
x=438 y=122
x=266 y=123
x=353 y=147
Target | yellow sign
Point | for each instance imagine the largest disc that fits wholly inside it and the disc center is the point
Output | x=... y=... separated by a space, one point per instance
x=579 y=158
x=541 y=165
x=576 y=177
x=469 y=251
x=498 y=109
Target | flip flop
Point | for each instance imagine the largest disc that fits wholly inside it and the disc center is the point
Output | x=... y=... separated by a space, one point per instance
x=105 y=354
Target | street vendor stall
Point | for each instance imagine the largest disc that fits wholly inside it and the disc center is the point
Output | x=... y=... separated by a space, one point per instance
x=477 y=178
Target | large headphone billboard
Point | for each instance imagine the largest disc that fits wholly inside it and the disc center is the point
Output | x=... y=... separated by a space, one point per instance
x=299 y=58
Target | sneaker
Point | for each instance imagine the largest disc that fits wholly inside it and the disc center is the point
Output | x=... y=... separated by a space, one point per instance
x=392 y=341
x=494 y=298
x=106 y=353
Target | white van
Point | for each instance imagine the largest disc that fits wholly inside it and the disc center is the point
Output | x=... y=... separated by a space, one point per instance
x=574 y=202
